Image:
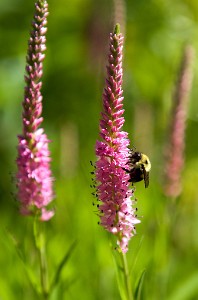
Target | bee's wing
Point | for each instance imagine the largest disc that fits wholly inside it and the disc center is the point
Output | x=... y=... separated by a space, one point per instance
x=146 y=178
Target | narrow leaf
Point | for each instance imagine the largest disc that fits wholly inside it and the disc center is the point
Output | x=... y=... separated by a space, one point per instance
x=62 y=264
x=139 y=286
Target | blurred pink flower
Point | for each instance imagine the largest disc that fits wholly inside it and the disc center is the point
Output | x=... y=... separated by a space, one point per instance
x=34 y=178
x=115 y=209
x=176 y=142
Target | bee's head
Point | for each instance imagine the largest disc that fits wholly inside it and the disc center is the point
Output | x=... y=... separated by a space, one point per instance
x=145 y=161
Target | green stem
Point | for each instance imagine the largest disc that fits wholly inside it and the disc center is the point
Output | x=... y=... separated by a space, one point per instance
x=39 y=237
x=127 y=284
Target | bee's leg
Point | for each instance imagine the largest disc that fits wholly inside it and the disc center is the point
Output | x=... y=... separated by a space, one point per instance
x=126 y=170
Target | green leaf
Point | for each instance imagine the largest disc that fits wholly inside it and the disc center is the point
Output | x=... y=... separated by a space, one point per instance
x=138 y=289
x=62 y=264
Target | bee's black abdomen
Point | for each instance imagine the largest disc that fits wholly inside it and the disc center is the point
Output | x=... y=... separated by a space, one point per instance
x=136 y=175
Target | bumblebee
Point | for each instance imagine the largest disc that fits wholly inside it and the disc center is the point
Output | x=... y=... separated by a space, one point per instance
x=139 y=167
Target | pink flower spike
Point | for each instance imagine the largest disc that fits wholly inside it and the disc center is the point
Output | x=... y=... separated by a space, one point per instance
x=34 y=178
x=175 y=149
x=115 y=205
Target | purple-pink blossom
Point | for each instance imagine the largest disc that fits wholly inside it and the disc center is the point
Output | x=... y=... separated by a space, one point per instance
x=34 y=177
x=113 y=191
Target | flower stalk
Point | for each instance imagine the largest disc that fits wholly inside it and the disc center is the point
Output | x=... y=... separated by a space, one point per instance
x=44 y=273
x=39 y=238
x=123 y=275
x=34 y=177
x=126 y=277
x=113 y=191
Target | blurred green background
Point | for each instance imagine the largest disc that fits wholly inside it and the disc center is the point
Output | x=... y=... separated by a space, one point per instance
x=74 y=70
